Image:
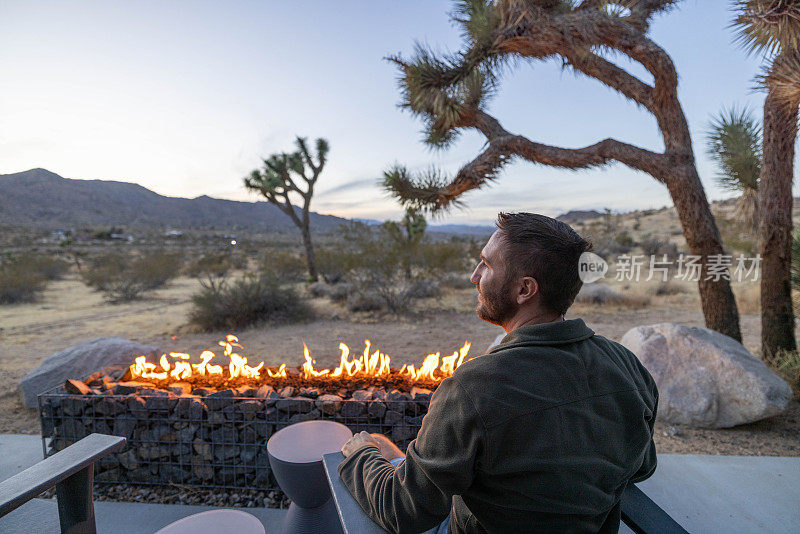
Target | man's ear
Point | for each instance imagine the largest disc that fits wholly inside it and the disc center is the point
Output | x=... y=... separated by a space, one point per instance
x=527 y=290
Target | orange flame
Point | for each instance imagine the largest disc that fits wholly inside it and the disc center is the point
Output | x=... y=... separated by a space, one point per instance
x=368 y=364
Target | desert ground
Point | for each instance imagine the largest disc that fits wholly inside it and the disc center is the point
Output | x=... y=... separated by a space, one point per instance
x=70 y=313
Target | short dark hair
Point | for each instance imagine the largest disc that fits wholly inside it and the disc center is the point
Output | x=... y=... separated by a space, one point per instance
x=547 y=250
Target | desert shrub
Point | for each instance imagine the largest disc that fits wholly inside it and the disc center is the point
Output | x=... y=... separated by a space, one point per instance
x=653 y=246
x=624 y=239
x=601 y=294
x=456 y=280
x=284 y=265
x=334 y=263
x=157 y=268
x=365 y=301
x=668 y=288
x=238 y=259
x=318 y=289
x=424 y=289
x=383 y=261
x=253 y=299
x=212 y=264
x=340 y=292
x=50 y=268
x=123 y=278
x=19 y=284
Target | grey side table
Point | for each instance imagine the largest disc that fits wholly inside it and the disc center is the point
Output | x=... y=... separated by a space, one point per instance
x=295 y=456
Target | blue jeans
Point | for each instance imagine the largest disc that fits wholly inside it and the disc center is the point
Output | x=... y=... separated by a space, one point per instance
x=443 y=526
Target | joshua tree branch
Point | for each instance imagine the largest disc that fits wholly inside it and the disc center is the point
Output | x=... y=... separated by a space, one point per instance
x=572 y=33
x=309 y=161
x=504 y=146
x=601 y=69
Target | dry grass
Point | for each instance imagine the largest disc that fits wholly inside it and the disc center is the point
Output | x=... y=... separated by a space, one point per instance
x=787 y=365
x=748 y=297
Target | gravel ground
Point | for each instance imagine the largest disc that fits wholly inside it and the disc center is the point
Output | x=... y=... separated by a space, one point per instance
x=189 y=495
x=776 y=436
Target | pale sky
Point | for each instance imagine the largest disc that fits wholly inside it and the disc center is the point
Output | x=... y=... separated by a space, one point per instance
x=184 y=97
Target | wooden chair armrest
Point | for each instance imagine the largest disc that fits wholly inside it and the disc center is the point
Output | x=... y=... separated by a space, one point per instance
x=644 y=516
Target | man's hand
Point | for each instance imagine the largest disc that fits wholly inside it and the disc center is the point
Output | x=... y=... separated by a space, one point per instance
x=359 y=441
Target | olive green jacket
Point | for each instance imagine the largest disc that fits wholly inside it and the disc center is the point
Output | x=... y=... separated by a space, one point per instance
x=541 y=434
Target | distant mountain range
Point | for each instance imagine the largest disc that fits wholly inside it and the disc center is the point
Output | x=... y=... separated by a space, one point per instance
x=40 y=198
x=43 y=199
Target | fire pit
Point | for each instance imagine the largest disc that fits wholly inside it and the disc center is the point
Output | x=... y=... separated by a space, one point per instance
x=207 y=425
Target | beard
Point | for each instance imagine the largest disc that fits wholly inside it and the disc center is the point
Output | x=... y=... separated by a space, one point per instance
x=496 y=305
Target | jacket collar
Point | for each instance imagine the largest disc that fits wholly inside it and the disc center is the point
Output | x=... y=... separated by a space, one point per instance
x=555 y=333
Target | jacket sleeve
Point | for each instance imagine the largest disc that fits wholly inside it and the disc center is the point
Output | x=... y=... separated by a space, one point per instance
x=440 y=463
x=649 y=463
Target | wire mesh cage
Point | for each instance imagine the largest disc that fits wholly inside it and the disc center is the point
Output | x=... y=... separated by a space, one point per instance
x=217 y=441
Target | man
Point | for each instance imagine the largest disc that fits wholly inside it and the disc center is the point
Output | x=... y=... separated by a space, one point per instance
x=542 y=433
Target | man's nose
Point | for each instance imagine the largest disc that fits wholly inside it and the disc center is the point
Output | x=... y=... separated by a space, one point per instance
x=475 y=278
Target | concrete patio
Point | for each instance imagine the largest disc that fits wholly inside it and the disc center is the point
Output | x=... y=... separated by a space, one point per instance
x=703 y=493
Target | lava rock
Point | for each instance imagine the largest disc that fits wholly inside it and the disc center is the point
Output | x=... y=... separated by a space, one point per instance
x=123 y=426
x=76 y=387
x=272 y=398
x=329 y=404
x=300 y=417
x=295 y=404
x=180 y=388
x=153 y=452
x=226 y=452
x=203 y=449
x=396 y=401
x=376 y=409
x=352 y=409
x=127 y=388
x=190 y=407
x=362 y=395
x=311 y=393
x=220 y=399
x=136 y=407
x=224 y=434
x=392 y=418
x=421 y=394
x=129 y=460
x=264 y=391
x=158 y=400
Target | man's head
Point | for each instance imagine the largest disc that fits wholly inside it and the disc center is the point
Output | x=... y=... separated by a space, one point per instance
x=528 y=270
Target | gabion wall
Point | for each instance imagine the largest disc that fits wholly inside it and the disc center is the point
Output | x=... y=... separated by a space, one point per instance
x=213 y=440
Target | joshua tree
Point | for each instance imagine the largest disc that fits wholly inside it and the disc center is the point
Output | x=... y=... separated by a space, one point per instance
x=734 y=142
x=450 y=91
x=772 y=27
x=288 y=174
x=407 y=235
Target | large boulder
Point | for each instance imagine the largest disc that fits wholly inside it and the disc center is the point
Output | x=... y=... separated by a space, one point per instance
x=706 y=379
x=79 y=362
